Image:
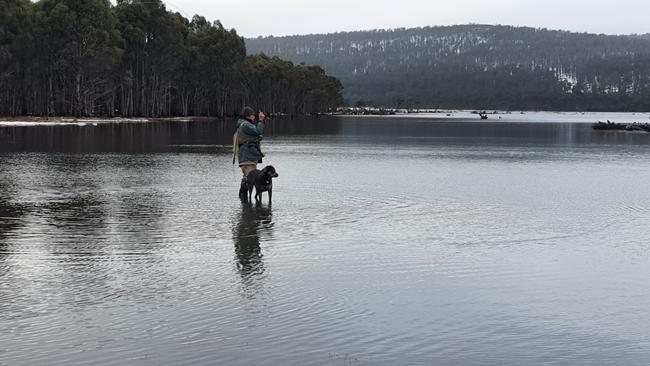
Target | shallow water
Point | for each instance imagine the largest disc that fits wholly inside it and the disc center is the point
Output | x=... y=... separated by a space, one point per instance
x=390 y=241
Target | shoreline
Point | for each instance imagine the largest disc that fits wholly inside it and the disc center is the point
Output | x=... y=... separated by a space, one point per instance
x=449 y=115
x=94 y=121
x=380 y=111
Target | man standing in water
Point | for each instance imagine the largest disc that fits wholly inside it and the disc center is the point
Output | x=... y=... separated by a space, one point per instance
x=247 y=144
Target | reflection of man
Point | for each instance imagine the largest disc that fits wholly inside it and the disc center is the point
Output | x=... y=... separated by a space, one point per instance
x=247 y=144
x=247 y=239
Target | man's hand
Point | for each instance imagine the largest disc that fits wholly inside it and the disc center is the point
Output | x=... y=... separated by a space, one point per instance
x=261 y=116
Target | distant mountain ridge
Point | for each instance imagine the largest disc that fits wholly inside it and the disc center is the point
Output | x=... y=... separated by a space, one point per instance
x=478 y=66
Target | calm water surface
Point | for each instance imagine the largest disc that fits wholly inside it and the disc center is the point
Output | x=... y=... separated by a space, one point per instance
x=391 y=241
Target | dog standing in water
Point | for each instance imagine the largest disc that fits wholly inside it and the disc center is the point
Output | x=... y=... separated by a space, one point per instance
x=246 y=145
x=262 y=181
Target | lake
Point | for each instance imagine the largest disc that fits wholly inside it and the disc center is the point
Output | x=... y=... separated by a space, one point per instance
x=403 y=240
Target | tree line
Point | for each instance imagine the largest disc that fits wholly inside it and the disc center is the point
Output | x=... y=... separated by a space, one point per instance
x=478 y=66
x=136 y=58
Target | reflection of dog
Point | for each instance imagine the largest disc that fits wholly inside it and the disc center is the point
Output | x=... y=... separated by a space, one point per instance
x=262 y=180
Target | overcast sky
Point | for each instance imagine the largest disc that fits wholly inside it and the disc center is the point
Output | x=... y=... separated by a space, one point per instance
x=284 y=17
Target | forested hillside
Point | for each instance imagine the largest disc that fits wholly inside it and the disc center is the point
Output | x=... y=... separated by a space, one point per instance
x=90 y=58
x=478 y=66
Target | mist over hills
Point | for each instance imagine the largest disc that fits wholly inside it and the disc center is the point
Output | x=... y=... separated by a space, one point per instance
x=478 y=66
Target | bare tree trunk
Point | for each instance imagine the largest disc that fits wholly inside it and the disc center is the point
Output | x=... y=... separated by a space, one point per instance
x=76 y=101
x=143 y=105
x=50 y=98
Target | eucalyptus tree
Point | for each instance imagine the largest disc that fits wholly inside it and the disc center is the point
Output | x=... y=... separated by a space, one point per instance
x=153 y=43
x=77 y=45
x=16 y=51
x=216 y=54
x=280 y=86
x=90 y=58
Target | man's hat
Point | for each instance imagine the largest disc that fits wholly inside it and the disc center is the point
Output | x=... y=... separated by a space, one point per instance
x=247 y=111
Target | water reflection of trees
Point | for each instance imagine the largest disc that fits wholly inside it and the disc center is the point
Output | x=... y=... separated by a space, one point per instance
x=11 y=212
x=82 y=232
x=116 y=137
x=10 y=217
x=119 y=228
x=76 y=203
x=254 y=222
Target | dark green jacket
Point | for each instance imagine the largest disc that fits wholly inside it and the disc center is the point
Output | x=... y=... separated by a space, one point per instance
x=249 y=136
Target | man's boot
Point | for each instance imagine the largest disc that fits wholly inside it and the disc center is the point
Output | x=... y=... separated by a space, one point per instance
x=243 y=190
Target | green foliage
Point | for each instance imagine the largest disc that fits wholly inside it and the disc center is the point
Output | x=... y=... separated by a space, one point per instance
x=278 y=85
x=89 y=58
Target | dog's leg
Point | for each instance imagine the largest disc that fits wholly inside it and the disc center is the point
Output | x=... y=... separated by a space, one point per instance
x=270 y=195
x=250 y=193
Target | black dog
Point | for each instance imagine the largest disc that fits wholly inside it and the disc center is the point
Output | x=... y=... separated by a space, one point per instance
x=262 y=180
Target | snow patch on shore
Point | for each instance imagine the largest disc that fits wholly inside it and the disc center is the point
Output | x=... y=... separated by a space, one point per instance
x=71 y=122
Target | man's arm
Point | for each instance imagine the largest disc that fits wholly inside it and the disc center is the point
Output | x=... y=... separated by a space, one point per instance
x=252 y=129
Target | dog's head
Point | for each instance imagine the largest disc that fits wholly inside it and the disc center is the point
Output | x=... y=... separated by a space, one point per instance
x=270 y=171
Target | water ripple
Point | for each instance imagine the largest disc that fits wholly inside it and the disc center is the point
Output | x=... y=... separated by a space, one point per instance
x=417 y=252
